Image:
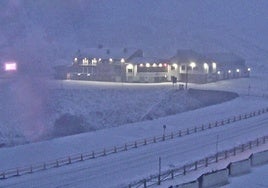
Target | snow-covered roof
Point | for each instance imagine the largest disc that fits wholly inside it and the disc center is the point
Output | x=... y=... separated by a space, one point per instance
x=106 y=53
x=227 y=60
x=187 y=55
x=138 y=60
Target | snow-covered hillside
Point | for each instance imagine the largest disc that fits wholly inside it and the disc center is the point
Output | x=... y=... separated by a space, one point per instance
x=42 y=34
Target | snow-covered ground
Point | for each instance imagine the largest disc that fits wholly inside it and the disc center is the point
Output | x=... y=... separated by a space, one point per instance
x=174 y=153
x=41 y=34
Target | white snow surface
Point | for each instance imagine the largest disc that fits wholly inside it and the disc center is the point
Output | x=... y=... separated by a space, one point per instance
x=41 y=34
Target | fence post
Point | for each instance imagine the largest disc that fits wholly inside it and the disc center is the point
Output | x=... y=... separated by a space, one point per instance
x=145 y=142
x=188 y=131
x=257 y=142
x=81 y=157
x=57 y=163
x=145 y=186
x=164 y=136
x=234 y=151
x=206 y=162
x=4 y=175
x=104 y=152
x=225 y=154
x=18 y=173
x=263 y=140
x=243 y=147
x=154 y=140
x=69 y=160
x=115 y=149
x=209 y=126
x=172 y=174
x=250 y=145
x=195 y=165
x=44 y=166
x=172 y=135
x=217 y=157
x=93 y=154
x=180 y=133
x=31 y=169
x=184 y=170
x=135 y=144
x=125 y=147
x=195 y=129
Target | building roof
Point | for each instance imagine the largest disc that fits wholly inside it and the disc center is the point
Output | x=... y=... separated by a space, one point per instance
x=139 y=60
x=106 y=53
x=187 y=55
x=227 y=60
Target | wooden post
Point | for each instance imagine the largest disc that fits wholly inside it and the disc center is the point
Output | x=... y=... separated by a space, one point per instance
x=195 y=165
x=145 y=142
x=18 y=172
x=145 y=186
x=81 y=157
x=31 y=169
x=154 y=140
x=57 y=163
x=184 y=170
x=125 y=147
x=104 y=152
x=225 y=154
x=44 y=166
x=159 y=169
x=135 y=145
x=115 y=149
x=4 y=175
x=180 y=133
x=206 y=163
x=93 y=154
x=171 y=135
x=69 y=160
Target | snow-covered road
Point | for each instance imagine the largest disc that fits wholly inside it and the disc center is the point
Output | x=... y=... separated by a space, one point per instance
x=122 y=168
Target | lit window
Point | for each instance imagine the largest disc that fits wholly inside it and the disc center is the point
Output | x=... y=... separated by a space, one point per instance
x=214 y=65
x=154 y=65
x=141 y=65
x=147 y=65
x=85 y=61
x=160 y=65
x=219 y=72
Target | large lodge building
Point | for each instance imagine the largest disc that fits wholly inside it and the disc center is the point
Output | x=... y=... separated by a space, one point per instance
x=129 y=65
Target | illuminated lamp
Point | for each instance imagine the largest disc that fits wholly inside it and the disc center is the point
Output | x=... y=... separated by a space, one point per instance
x=160 y=65
x=237 y=70
x=229 y=71
x=154 y=65
x=219 y=72
x=175 y=65
x=147 y=65
x=141 y=65
x=10 y=66
x=249 y=69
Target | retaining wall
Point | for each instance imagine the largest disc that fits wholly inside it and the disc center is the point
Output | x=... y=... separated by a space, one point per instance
x=214 y=179
x=259 y=158
x=239 y=167
x=193 y=184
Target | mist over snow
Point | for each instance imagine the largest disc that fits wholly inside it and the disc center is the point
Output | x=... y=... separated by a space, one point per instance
x=42 y=34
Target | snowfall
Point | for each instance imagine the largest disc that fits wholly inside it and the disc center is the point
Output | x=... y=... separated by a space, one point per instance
x=42 y=119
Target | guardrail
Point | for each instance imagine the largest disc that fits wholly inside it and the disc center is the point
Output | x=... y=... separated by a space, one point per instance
x=156 y=179
x=127 y=146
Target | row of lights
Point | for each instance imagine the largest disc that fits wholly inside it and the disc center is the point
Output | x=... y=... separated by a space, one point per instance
x=153 y=65
x=85 y=61
x=237 y=70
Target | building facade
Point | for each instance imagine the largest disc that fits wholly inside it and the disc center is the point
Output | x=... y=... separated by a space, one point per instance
x=129 y=65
